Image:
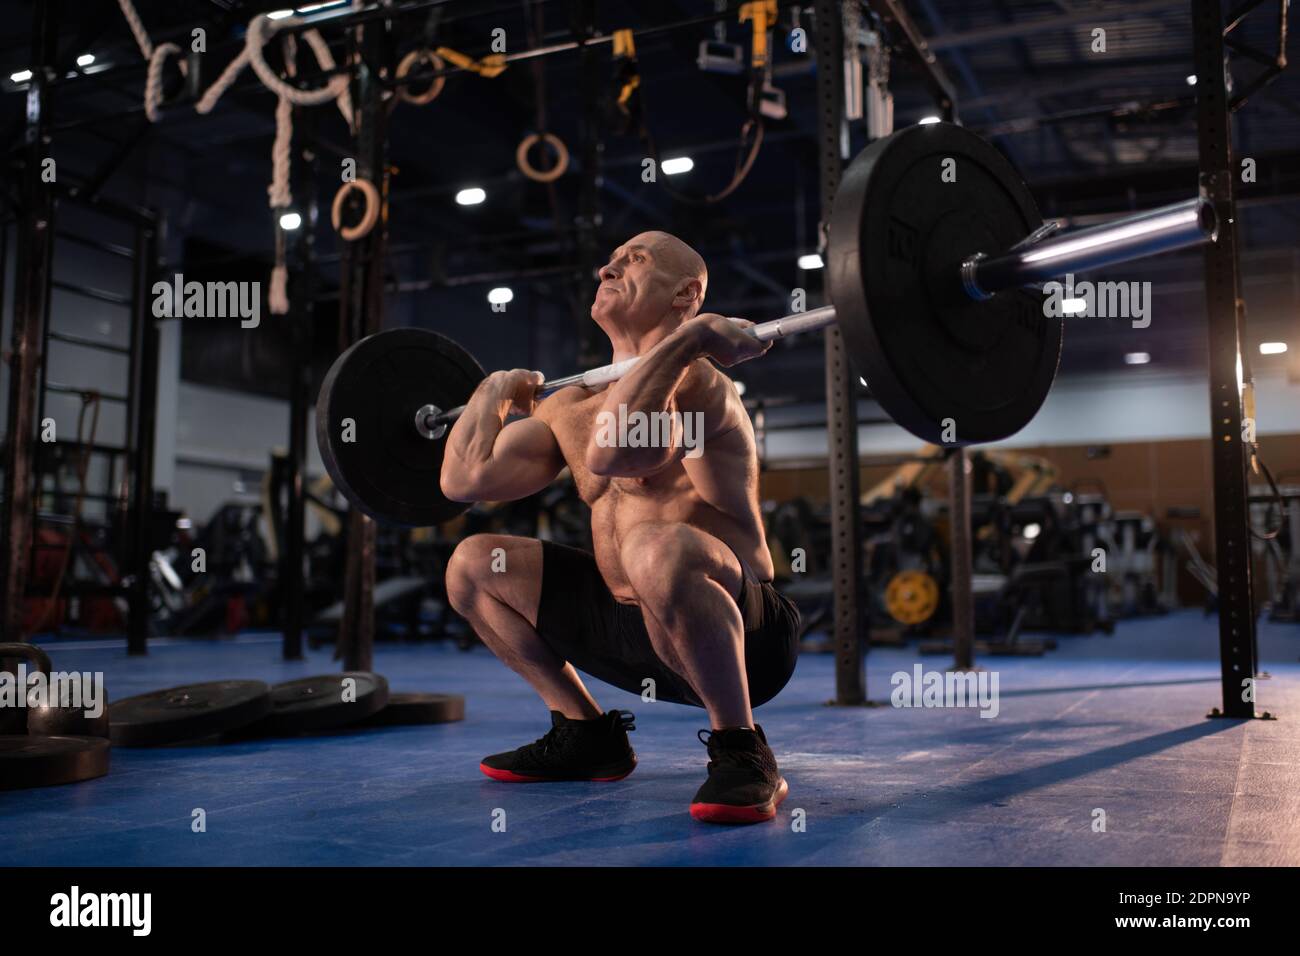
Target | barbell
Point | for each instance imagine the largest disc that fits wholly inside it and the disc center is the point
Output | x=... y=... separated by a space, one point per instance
x=935 y=259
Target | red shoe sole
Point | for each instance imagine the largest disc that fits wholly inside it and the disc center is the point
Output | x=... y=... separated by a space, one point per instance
x=506 y=776
x=727 y=813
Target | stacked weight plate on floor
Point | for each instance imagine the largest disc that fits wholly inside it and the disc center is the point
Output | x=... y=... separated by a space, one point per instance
x=351 y=699
x=191 y=712
x=327 y=702
x=404 y=709
x=241 y=710
x=365 y=423
x=911 y=207
x=27 y=761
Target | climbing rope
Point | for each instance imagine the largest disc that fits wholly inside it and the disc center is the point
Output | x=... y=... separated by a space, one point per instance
x=261 y=30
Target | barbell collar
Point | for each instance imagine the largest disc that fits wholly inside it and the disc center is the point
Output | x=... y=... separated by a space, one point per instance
x=430 y=422
x=1149 y=233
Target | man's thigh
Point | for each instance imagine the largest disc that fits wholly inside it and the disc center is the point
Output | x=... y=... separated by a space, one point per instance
x=581 y=621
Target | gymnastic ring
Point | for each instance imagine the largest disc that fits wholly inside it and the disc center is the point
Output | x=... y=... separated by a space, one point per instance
x=371 y=216
x=531 y=171
x=410 y=60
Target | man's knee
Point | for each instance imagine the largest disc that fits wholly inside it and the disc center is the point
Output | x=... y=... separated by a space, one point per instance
x=465 y=569
x=487 y=564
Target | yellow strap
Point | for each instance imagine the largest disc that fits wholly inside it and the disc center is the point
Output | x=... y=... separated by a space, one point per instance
x=493 y=65
x=626 y=93
x=763 y=13
x=488 y=67
x=623 y=44
x=456 y=57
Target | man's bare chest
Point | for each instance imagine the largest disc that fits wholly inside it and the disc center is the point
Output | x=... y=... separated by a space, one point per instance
x=574 y=424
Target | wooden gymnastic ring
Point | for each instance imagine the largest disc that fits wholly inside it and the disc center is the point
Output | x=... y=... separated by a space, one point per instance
x=408 y=62
x=368 y=221
x=531 y=171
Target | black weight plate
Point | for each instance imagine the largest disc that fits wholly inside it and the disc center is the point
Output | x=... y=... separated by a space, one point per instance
x=187 y=713
x=406 y=709
x=389 y=471
x=47 y=761
x=898 y=235
x=316 y=703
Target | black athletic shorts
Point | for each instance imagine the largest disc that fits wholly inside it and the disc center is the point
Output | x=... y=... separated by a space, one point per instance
x=583 y=623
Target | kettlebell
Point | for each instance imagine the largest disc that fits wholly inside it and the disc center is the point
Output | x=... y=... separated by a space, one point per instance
x=47 y=719
x=13 y=719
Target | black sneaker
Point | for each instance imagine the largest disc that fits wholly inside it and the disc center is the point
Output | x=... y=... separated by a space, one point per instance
x=595 y=749
x=744 y=784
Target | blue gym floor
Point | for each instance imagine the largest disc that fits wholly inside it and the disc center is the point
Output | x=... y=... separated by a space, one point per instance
x=1116 y=723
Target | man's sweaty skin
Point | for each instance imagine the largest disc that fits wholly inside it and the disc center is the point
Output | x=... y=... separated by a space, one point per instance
x=645 y=502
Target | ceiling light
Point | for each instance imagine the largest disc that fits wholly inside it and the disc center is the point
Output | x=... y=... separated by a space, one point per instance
x=471 y=197
x=678 y=164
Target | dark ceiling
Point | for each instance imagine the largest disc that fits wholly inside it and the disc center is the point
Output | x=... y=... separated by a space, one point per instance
x=1094 y=134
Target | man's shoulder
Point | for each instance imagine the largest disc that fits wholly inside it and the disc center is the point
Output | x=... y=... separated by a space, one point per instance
x=705 y=383
x=555 y=403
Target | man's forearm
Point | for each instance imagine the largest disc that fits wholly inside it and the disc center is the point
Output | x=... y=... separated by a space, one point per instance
x=488 y=460
x=652 y=382
x=475 y=432
x=649 y=389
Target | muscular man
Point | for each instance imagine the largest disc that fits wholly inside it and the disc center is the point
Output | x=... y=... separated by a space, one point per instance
x=679 y=590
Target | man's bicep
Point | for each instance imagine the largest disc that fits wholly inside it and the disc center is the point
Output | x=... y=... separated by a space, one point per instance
x=711 y=401
x=719 y=445
x=529 y=443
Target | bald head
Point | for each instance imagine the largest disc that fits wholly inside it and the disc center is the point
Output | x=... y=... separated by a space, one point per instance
x=654 y=281
x=680 y=261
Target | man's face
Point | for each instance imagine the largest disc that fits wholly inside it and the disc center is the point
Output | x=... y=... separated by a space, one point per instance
x=635 y=290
